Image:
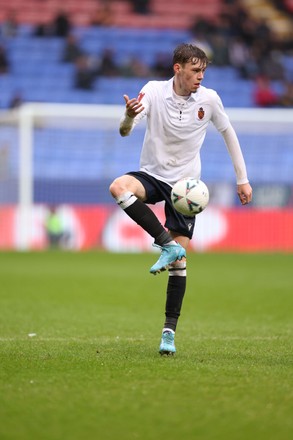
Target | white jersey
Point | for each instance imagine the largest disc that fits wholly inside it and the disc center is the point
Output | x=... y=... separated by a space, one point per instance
x=176 y=130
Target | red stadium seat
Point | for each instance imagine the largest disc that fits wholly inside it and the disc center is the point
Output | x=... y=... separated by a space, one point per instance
x=164 y=13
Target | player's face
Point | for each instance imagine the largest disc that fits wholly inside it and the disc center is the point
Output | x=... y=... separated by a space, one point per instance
x=188 y=77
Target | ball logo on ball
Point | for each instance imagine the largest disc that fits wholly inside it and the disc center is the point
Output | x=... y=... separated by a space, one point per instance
x=190 y=196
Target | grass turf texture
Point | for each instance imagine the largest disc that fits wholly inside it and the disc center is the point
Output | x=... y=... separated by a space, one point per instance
x=92 y=371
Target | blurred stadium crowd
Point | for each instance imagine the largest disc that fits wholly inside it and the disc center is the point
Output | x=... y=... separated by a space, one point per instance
x=51 y=54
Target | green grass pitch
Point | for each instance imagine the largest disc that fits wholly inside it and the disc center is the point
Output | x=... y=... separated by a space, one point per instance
x=79 y=338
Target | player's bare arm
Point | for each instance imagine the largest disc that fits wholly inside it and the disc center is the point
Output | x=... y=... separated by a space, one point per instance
x=133 y=108
x=244 y=192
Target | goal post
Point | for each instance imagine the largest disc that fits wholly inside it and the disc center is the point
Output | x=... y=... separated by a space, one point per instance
x=34 y=115
x=50 y=152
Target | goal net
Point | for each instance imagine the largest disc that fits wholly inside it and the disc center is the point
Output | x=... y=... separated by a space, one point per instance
x=57 y=161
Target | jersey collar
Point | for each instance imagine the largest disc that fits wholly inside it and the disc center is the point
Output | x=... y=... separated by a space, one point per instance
x=169 y=91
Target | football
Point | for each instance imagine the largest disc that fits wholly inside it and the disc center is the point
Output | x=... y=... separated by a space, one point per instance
x=190 y=196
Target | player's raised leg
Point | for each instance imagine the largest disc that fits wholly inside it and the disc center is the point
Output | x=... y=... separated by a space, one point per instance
x=130 y=195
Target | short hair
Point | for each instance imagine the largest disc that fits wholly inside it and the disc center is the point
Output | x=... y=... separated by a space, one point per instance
x=185 y=53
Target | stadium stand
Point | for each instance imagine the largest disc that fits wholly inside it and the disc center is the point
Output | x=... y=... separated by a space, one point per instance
x=37 y=73
x=164 y=13
x=270 y=11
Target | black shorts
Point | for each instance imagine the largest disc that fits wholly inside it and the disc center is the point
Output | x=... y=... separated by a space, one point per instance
x=158 y=191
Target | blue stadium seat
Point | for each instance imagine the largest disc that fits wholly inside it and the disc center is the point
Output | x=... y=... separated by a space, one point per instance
x=54 y=80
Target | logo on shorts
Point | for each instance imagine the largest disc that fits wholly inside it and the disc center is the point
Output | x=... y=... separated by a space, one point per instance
x=200 y=113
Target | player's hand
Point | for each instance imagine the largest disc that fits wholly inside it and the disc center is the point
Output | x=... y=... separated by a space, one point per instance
x=133 y=106
x=244 y=192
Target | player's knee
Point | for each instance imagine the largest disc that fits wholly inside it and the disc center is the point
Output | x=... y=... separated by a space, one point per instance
x=178 y=268
x=116 y=189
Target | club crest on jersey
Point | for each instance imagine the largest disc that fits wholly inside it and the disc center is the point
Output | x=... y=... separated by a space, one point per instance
x=200 y=113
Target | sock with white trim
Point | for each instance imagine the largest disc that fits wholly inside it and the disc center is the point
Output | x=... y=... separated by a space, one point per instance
x=175 y=295
x=144 y=217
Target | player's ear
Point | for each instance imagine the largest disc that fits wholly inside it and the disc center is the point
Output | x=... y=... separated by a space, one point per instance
x=176 y=67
